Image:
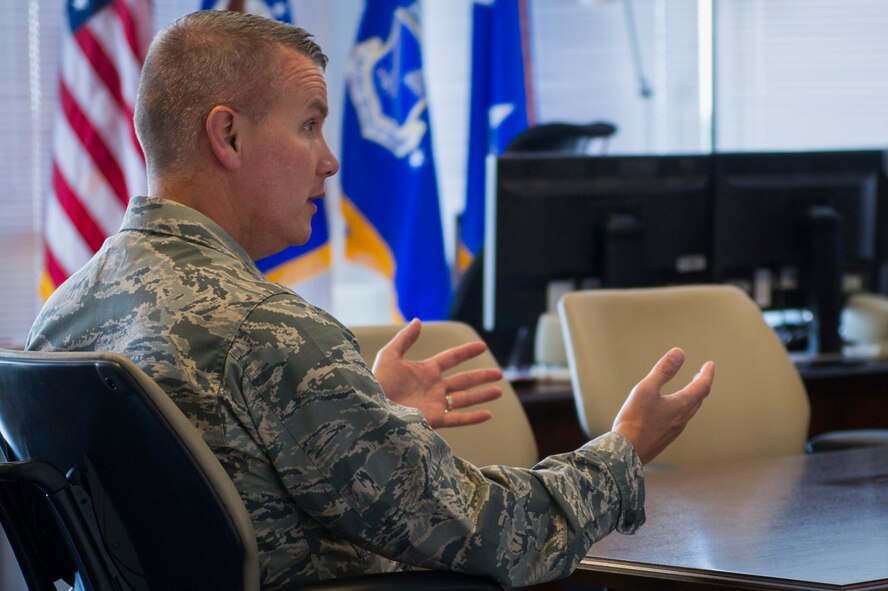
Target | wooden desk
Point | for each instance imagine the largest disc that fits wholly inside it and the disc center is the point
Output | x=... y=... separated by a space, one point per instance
x=799 y=522
x=850 y=395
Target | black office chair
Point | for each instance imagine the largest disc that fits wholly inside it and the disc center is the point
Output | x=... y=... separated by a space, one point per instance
x=568 y=138
x=109 y=487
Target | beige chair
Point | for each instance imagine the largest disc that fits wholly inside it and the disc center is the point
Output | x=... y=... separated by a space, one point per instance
x=758 y=406
x=505 y=439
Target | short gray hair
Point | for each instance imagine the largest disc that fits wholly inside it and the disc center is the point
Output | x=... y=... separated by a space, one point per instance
x=203 y=60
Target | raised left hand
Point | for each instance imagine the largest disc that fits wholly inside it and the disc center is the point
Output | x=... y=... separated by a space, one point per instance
x=422 y=384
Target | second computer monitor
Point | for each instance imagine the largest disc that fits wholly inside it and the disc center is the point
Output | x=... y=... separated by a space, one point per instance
x=799 y=231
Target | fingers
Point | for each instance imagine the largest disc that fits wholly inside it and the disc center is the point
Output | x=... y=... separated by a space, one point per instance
x=454 y=417
x=472 y=378
x=699 y=387
x=464 y=388
x=404 y=339
x=662 y=372
x=466 y=398
x=447 y=359
x=704 y=377
x=459 y=419
x=700 y=384
x=452 y=357
x=668 y=365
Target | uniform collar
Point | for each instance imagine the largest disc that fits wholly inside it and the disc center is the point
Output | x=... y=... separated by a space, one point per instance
x=163 y=216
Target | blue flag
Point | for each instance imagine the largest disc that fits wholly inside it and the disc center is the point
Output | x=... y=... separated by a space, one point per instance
x=296 y=264
x=390 y=195
x=501 y=103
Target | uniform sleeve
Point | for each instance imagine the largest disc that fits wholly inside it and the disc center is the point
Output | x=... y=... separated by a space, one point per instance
x=378 y=475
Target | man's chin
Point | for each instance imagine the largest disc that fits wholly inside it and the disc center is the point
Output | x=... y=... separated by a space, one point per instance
x=302 y=239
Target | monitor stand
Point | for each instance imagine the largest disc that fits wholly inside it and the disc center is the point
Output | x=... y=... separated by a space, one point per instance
x=823 y=280
x=623 y=260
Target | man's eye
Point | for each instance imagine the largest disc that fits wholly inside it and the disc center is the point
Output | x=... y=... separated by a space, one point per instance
x=310 y=126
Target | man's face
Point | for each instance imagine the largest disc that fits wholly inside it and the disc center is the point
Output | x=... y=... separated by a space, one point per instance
x=286 y=159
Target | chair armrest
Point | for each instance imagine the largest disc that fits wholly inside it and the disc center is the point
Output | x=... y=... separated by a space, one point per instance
x=43 y=475
x=834 y=440
x=28 y=521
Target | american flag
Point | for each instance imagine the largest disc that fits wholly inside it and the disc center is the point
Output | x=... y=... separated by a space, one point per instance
x=97 y=163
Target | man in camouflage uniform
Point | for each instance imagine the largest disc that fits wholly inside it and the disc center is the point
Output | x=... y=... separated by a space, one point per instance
x=338 y=476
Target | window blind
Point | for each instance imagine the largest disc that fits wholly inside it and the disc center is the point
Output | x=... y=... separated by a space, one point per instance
x=801 y=74
x=584 y=69
x=28 y=37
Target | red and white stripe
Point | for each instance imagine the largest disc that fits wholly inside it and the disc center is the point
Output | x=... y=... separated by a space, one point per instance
x=97 y=164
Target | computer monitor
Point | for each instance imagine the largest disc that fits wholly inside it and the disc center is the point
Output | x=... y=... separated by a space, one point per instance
x=798 y=231
x=572 y=222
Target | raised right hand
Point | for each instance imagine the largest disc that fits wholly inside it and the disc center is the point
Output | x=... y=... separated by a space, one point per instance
x=651 y=420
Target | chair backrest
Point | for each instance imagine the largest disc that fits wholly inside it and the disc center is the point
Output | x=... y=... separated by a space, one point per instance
x=169 y=516
x=505 y=439
x=758 y=406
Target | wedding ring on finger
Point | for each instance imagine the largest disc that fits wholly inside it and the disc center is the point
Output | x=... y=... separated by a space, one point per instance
x=448 y=398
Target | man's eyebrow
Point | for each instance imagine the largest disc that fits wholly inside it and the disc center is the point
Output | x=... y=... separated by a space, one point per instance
x=319 y=106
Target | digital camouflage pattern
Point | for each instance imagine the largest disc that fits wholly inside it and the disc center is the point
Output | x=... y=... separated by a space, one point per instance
x=337 y=479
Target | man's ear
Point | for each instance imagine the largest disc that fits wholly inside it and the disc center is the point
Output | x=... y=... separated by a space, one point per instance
x=223 y=132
